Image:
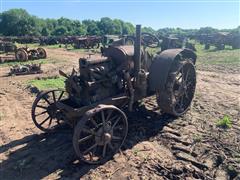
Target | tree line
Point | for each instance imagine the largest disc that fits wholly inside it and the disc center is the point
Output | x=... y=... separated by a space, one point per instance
x=18 y=22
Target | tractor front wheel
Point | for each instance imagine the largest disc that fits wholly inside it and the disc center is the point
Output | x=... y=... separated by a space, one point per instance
x=42 y=54
x=100 y=134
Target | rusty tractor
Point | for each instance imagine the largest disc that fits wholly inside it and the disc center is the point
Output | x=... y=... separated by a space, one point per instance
x=25 y=53
x=87 y=42
x=96 y=99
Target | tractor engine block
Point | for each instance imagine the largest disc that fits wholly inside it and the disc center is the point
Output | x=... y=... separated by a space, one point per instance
x=98 y=80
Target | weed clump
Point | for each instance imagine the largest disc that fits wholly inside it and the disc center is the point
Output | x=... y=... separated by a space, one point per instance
x=225 y=122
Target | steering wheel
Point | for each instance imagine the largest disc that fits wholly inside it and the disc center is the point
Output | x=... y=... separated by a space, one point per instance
x=150 y=40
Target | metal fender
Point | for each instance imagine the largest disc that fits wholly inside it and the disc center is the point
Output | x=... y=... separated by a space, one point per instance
x=162 y=63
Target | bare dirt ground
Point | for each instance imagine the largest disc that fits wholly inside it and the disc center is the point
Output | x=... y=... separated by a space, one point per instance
x=157 y=147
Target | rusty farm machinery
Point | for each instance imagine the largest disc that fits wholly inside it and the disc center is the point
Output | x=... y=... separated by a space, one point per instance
x=25 y=53
x=96 y=99
x=25 y=69
x=12 y=53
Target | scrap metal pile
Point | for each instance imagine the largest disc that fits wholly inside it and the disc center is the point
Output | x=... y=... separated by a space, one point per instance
x=96 y=99
x=25 y=69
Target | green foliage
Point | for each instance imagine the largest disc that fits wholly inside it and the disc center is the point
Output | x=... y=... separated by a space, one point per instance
x=18 y=22
x=45 y=32
x=59 y=31
x=48 y=83
x=225 y=122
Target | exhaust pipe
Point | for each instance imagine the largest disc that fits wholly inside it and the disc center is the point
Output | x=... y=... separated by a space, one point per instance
x=137 y=53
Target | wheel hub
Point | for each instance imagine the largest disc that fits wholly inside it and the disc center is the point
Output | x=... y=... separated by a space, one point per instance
x=52 y=110
x=103 y=136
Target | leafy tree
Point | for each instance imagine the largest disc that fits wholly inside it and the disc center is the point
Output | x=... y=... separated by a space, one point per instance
x=106 y=26
x=59 y=31
x=128 y=28
x=17 y=22
x=45 y=32
x=91 y=27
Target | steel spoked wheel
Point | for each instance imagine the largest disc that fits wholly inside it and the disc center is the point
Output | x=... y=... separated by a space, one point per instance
x=180 y=89
x=100 y=134
x=42 y=54
x=21 y=55
x=45 y=114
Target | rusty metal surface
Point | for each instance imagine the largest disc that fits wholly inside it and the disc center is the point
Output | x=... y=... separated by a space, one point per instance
x=118 y=78
x=120 y=54
x=25 y=69
x=161 y=65
x=105 y=139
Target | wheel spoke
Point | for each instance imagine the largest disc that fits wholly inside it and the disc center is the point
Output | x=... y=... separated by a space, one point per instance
x=50 y=122
x=109 y=115
x=115 y=123
x=90 y=148
x=93 y=122
x=44 y=112
x=104 y=150
x=116 y=138
x=113 y=118
x=59 y=98
x=40 y=106
x=85 y=138
x=90 y=131
x=45 y=120
x=46 y=100
x=186 y=77
x=54 y=97
x=103 y=120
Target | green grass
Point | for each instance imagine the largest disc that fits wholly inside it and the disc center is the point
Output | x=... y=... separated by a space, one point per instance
x=225 y=122
x=48 y=83
x=212 y=56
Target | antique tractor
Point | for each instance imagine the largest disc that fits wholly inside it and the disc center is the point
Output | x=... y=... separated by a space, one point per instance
x=87 y=42
x=95 y=101
x=25 y=53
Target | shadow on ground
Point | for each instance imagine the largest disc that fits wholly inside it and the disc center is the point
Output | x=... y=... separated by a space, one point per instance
x=38 y=156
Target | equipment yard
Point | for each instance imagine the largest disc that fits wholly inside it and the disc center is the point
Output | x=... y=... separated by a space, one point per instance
x=203 y=144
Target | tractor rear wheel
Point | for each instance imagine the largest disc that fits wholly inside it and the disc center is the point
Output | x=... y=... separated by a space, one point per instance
x=179 y=90
x=21 y=55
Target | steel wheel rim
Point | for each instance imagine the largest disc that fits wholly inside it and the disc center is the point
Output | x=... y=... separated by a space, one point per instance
x=45 y=114
x=101 y=135
x=184 y=88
